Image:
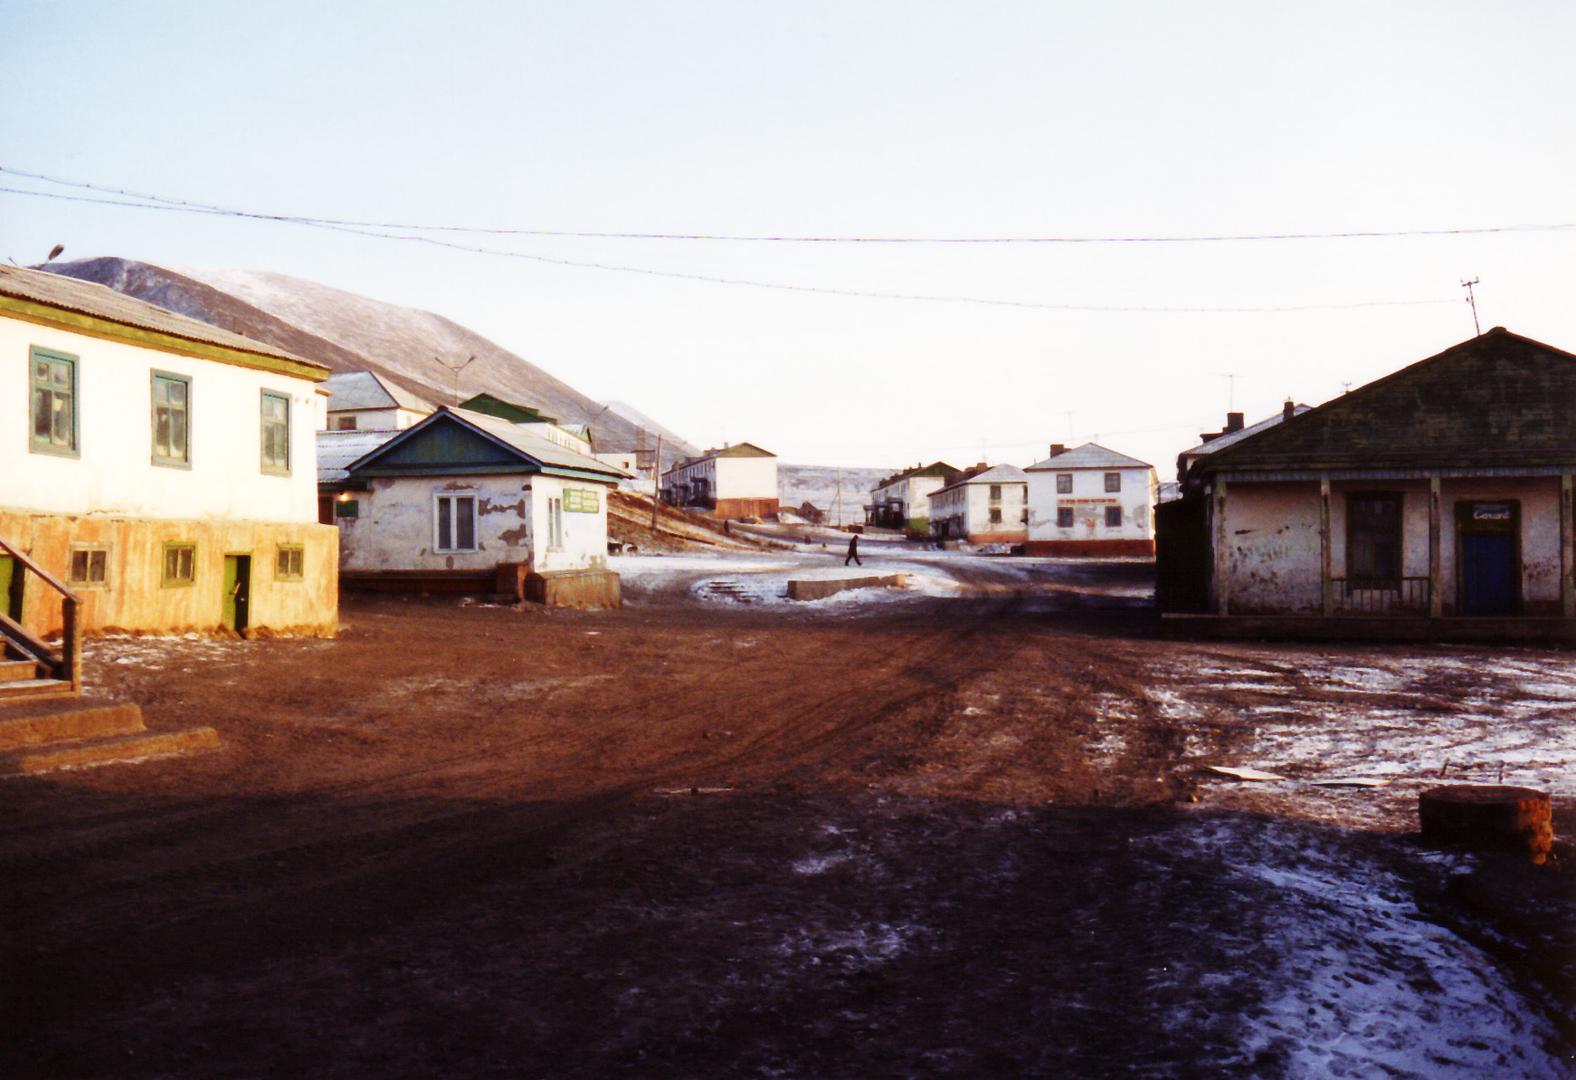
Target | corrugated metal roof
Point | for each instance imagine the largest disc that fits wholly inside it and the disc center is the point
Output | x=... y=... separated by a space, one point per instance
x=1220 y=442
x=337 y=449
x=1090 y=456
x=102 y=302
x=366 y=390
x=551 y=457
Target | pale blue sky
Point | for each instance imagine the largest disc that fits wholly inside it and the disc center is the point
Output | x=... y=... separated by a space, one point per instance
x=876 y=118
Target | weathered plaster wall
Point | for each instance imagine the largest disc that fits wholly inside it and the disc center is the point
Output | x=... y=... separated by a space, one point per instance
x=1089 y=500
x=396 y=527
x=1540 y=536
x=133 y=596
x=114 y=473
x=1276 y=559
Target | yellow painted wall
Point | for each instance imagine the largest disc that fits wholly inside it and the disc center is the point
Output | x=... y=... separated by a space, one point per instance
x=133 y=596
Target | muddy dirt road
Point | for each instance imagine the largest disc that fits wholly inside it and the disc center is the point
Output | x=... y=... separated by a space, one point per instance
x=951 y=835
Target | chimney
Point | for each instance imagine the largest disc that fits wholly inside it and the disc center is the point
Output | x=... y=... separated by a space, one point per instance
x=1058 y=448
x=1233 y=422
x=1288 y=411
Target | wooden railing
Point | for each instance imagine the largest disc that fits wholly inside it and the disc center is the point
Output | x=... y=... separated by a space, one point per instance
x=1366 y=596
x=66 y=663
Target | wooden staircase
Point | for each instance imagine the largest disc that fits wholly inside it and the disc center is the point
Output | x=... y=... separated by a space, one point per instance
x=44 y=723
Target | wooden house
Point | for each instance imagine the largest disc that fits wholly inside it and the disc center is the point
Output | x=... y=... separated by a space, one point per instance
x=1434 y=502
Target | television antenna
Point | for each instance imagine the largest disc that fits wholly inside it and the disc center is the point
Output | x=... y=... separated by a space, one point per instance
x=455 y=369
x=1472 y=300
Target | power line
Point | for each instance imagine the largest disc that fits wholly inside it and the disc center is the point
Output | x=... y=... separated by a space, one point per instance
x=771 y=238
x=716 y=279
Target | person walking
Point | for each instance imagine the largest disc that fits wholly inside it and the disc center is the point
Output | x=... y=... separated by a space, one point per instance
x=853 y=551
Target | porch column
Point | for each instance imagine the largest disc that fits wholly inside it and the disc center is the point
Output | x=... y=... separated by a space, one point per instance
x=1222 y=552
x=1567 y=546
x=1436 y=577
x=1326 y=555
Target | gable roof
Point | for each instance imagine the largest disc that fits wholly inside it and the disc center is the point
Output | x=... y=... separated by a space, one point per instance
x=1089 y=456
x=1499 y=399
x=85 y=307
x=512 y=411
x=935 y=468
x=337 y=450
x=368 y=390
x=1220 y=442
x=477 y=443
x=996 y=474
x=743 y=449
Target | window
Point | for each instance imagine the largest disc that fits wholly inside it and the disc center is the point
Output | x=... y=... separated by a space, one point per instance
x=180 y=564
x=1113 y=481
x=1064 y=483
x=172 y=396
x=995 y=493
x=88 y=565
x=995 y=515
x=347 y=508
x=53 y=378
x=456 y=523
x=344 y=423
x=1113 y=517
x=288 y=561
x=555 y=524
x=1064 y=517
x=276 y=433
x=1373 y=538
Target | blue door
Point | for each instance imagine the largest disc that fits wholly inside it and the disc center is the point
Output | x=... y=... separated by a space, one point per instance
x=1488 y=574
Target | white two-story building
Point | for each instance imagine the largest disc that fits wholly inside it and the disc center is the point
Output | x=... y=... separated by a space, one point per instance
x=1091 y=501
x=902 y=500
x=160 y=467
x=982 y=506
x=737 y=481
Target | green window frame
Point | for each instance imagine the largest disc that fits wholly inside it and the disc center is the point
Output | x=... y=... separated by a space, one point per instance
x=347 y=508
x=171 y=417
x=54 y=426
x=179 y=567
x=274 y=433
x=89 y=566
x=289 y=562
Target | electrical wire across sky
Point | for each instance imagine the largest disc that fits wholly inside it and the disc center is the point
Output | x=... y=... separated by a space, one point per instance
x=408 y=233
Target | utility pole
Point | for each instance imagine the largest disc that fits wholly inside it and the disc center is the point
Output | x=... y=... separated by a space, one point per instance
x=656 y=486
x=837 y=500
x=455 y=369
x=1472 y=299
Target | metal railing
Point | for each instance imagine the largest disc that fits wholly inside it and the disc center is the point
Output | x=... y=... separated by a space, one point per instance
x=66 y=662
x=1370 y=596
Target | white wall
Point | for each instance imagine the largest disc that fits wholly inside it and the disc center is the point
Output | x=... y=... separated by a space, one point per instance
x=1089 y=500
x=390 y=419
x=114 y=473
x=396 y=526
x=746 y=478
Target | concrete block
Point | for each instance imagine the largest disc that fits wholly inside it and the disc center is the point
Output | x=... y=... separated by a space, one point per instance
x=585 y=589
x=820 y=588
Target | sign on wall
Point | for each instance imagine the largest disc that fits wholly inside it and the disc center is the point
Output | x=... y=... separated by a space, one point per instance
x=580 y=501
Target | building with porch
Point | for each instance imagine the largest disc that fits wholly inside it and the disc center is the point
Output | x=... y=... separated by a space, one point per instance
x=159 y=471
x=737 y=481
x=1434 y=502
x=982 y=505
x=1091 y=501
x=902 y=500
x=469 y=502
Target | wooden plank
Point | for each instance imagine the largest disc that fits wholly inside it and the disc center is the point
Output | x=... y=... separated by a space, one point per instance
x=1568 y=546
x=1326 y=550
x=1222 y=576
x=27 y=643
x=49 y=579
x=1436 y=577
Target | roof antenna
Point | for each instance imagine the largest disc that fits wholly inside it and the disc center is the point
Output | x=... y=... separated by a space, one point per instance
x=1231 y=388
x=1472 y=299
x=455 y=369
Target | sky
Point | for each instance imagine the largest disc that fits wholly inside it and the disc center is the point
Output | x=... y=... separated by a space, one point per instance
x=875 y=119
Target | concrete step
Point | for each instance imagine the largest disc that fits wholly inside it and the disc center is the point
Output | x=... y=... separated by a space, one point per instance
x=16 y=670
x=38 y=725
x=33 y=689
x=121 y=748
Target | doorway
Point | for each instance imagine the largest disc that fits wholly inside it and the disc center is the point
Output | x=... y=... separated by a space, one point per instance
x=1490 y=562
x=12 y=577
x=237 y=592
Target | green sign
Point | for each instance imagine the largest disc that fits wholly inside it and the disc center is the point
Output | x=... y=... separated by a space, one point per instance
x=580 y=501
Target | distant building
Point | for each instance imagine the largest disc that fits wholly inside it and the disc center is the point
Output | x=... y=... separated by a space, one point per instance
x=1434 y=502
x=1091 y=500
x=902 y=500
x=469 y=502
x=161 y=468
x=363 y=401
x=576 y=437
x=983 y=505
x=735 y=482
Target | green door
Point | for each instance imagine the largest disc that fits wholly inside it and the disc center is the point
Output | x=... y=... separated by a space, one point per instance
x=237 y=591
x=11 y=579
